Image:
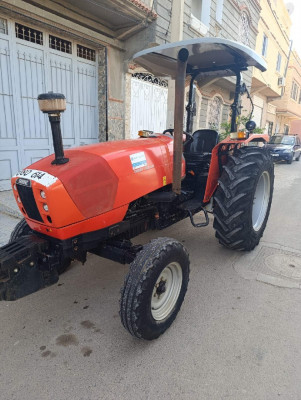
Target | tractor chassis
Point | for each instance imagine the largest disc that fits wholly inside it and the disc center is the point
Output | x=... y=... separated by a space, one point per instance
x=31 y=262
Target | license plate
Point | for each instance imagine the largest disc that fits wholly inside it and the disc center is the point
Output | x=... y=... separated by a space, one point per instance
x=275 y=155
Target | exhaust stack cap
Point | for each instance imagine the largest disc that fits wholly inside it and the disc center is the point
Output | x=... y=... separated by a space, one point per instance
x=52 y=103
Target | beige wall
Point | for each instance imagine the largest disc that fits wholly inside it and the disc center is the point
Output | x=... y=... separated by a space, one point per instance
x=274 y=23
x=277 y=29
x=288 y=109
x=293 y=76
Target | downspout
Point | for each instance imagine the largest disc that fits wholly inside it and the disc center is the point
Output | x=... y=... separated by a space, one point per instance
x=234 y=106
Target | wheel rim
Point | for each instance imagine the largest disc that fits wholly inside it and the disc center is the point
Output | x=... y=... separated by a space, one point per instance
x=261 y=200
x=166 y=291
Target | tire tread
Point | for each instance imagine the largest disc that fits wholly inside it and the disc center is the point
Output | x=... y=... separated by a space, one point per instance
x=232 y=211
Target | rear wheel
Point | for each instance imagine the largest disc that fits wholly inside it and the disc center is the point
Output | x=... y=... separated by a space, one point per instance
x=243 y=198
x=22 y=229
x=154 y=288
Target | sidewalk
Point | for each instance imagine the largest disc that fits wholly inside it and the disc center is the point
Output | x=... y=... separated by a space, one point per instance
x=9 y=215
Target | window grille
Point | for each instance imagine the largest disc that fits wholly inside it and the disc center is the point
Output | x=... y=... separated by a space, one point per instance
x=244 y=29
x=3 y=26
x=59 y=44
x=26 y=33
x=85 y=52
x=215 y=112
x=151 y=78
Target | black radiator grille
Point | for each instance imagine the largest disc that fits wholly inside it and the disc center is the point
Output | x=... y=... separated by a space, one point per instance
x=29 y=203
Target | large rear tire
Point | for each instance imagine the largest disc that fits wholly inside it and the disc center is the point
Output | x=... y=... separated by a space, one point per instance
x=154 y=288
x=22 y=229
x=243 y=198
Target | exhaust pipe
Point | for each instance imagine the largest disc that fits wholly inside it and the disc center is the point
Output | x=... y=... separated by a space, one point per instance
x=53 y=104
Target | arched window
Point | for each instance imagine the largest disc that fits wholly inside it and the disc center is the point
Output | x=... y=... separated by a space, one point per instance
x=244 y=29
x=215 y=112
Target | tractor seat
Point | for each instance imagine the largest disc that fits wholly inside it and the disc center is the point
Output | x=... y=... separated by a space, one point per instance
x=199 y=150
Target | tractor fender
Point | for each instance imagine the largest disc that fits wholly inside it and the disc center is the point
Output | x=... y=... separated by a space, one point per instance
x=214 y=169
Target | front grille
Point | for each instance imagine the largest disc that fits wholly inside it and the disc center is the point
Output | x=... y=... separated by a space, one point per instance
x=29 y=203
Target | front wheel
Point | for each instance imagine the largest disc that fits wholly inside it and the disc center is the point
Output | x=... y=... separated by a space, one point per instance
x=21 y=229
x=243 y=198
x=154 y=288
x=290 y=160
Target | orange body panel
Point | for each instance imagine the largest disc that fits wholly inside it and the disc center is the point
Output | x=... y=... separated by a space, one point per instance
x=57 y=199
x=87 y=225
x=93 y=190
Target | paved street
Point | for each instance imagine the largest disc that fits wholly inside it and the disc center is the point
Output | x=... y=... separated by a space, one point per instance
x=238 y=335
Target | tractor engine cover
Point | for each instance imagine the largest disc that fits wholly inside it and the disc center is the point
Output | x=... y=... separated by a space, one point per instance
x=97 y=180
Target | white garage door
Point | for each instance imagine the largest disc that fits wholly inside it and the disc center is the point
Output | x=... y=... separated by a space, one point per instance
x=33 y=62
x=148 y=104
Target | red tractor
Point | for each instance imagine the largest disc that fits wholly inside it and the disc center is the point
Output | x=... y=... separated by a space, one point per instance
x=95 y=199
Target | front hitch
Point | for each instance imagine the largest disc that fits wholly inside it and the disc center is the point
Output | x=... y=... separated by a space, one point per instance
x=26 y=267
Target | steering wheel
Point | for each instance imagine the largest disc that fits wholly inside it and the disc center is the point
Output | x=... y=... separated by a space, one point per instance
x=189 y=137
x=170 y=130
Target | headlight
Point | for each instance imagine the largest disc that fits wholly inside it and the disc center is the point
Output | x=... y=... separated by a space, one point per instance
x=45 y=207
x=287 y=151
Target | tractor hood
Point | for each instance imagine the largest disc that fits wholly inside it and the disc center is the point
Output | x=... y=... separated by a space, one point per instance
x=212 y=56
x=98 y=178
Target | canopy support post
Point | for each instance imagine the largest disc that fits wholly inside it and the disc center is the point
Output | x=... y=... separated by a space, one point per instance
x=235 y=106
x=178 y=120
x=190 y=108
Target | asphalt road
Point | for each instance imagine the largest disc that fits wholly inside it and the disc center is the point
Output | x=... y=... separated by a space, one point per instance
x=235 y=337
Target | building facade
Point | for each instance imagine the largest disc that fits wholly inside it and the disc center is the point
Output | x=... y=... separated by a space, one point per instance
x=273 y=45
x=187 y=19
x=229 y=19
x=288 y=108
x=85 y=50
x=73 y=47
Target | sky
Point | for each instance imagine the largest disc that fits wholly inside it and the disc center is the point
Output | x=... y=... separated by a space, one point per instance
x=296 y=25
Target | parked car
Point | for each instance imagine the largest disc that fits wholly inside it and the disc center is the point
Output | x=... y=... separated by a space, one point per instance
x=285 y=147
